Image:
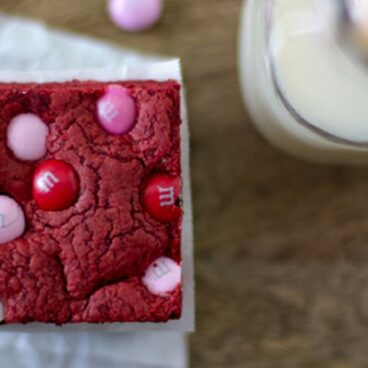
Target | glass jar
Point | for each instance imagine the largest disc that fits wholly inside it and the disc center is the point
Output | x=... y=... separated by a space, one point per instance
x=304 y=74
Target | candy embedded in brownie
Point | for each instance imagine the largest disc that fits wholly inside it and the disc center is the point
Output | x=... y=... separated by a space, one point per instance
x=90 y=202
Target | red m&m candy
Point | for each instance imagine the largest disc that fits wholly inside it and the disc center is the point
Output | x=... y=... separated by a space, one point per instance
x=161 y=197
x=55 y=185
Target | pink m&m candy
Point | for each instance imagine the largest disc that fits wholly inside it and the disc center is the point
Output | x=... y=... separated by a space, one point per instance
x=12 y=221
x=135 y=15
x=116 y=110
x=162 y=277
x=27 y=135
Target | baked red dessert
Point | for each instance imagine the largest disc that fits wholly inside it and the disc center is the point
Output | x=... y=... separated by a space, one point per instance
x=98 y=255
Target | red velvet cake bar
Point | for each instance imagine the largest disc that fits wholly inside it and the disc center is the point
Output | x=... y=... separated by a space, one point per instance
x=90 y=202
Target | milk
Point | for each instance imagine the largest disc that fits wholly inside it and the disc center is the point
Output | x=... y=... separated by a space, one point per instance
x=305 y=90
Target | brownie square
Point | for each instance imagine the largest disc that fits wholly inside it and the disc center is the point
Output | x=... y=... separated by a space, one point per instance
x=88 y=262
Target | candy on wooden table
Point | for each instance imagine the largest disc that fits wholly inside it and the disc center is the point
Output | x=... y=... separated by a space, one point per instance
x=135 y=15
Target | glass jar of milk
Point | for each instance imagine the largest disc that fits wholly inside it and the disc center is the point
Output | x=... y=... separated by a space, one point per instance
x=304 y=73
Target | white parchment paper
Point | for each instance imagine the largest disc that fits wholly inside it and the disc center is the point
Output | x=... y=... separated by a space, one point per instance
x=31 y=52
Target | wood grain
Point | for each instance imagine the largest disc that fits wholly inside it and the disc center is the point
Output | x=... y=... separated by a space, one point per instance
x=281 y=245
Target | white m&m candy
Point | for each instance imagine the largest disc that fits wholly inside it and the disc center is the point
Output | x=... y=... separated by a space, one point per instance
x=162 y=277
x=12 y=221
x=27 y=135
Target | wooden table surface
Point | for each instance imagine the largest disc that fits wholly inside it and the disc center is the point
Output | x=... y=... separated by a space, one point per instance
x=281 y=245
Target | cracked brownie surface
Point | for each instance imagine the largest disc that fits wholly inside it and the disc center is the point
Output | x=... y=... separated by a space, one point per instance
x=86 y=263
